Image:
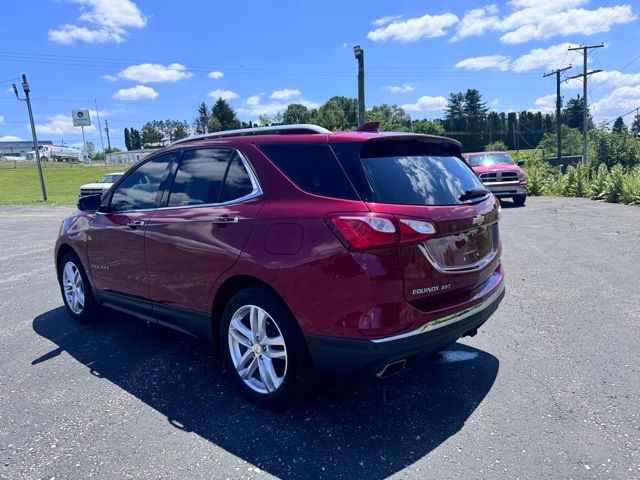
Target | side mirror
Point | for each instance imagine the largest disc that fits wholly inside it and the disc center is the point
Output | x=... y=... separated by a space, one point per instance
x=89 y=203
x=521 y=163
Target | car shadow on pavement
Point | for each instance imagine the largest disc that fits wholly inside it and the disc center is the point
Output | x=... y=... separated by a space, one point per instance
x=368 y=429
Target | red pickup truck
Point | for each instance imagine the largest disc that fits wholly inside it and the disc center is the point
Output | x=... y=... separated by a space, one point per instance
x=500 y=174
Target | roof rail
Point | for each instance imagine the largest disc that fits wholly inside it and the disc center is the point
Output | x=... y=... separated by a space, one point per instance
x=276 y=129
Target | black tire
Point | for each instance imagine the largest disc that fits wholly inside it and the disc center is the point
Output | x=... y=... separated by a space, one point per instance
x=519 y=200
x=298 y=377
x=90 y=309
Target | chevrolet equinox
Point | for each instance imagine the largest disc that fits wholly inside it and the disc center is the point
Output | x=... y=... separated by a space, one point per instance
x=298 y=250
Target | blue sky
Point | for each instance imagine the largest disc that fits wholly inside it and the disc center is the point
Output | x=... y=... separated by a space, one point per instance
x=145 y=60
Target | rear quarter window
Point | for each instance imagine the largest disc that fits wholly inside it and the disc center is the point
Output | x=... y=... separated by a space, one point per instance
x=312 y=167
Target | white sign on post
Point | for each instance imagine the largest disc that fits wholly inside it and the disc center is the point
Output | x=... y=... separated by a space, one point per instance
x=80 y=118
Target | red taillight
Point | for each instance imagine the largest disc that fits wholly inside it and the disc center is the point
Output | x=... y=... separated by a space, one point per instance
x=366 y=231
x=362 y=231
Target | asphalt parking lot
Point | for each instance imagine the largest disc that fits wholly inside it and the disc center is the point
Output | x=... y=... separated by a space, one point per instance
x=548 y=389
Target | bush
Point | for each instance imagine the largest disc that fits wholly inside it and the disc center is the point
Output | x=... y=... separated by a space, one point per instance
x=497 y=146
x=615 y=185
x=541 y=177
x=612 y=148
x=598 y=183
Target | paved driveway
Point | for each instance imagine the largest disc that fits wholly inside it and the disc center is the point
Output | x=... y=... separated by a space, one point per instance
x=550 y=387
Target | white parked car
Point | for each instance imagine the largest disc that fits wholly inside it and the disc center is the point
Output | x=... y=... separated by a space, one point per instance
x=101 y=185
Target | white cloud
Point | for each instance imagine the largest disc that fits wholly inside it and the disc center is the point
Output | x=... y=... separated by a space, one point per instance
x=549 y=58
x=546 y=104
x=414 y=29
x=224 y=94
x=215 y=75
x=556 y=56
x=1 y=119
x=345 y=45
x=608 y=79
x=542 y=19
x=253 y=100
x=9 y=138
x=384 y=20
x=617 y=103
x=253 y=106
x=153 y=73
x=476 y=22
x=60 y=124
x=108 y=21
x=139 y=92
x=426 y=104
x=111 y=78
x=286 y=94
x=406 y=88
x=499 y=62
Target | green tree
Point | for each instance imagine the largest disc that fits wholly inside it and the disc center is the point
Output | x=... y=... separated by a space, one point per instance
x=429 y=127
x=392 y=118
x=153 y=134
x=213 y=125
x=635 y=126
x=338 y=113
x=473 y=106
x=200 y=123
x=497 y=146
x=127 y=138
x=613 y=148
x=571 y=142
x=136 y=140
x=225 y=114
x=572 y=114
x=174 y=129
x=295 y=113
x=619 y=126
x=266 y=120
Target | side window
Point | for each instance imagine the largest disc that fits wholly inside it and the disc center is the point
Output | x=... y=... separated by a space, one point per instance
x=312 y=167
x=237 y=183
x=199 y=177
x=140 y=187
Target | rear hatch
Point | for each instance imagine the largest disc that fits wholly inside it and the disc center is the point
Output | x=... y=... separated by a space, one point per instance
x=448 y=241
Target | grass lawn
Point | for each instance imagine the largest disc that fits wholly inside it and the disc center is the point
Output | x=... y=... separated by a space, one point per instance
x=19 y=182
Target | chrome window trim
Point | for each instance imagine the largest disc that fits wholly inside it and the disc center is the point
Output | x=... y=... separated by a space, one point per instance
x=447 y=319
x=255 y=193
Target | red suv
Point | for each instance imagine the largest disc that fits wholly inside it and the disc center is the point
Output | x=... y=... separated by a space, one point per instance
x=500 y=174
x=297 y=249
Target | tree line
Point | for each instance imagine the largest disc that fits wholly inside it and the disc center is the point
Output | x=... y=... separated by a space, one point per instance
x=467 y=118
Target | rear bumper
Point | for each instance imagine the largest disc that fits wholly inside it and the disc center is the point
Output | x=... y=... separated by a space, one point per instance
x=342 y=356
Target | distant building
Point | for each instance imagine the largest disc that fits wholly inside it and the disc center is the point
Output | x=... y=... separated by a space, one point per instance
x=19 y=148
x=131 y=156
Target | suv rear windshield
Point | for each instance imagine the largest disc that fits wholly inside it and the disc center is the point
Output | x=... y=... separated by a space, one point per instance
x=406 y=172
x=419 y=179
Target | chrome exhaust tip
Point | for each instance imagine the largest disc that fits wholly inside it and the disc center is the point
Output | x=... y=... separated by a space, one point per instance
x=392 y=369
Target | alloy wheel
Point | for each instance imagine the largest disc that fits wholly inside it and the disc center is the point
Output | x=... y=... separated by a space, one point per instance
x=257 y=349
x=73 y=287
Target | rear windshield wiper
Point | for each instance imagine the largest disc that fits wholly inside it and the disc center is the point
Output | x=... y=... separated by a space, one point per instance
x=473 y=193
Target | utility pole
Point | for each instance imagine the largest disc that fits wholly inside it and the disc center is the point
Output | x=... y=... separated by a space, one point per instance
x=106 y=129
x=26 y=89
x=359 y=53
x=558 y=106
x=99 y=127
x=584 y=75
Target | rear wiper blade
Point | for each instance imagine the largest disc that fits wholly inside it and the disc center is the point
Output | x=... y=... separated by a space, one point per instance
x=473 y=193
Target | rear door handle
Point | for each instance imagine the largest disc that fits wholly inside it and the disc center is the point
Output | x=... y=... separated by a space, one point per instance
x=225 y=220
x=135 y=224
